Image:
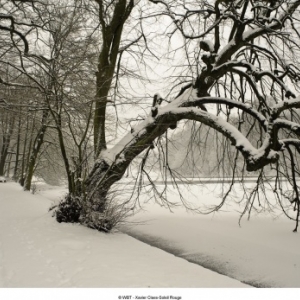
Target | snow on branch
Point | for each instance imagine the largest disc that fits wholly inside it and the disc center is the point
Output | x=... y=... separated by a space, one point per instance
x=294 y=127
x=256 y=30
x=255 y=158
x=236 y=104
x=183 y=107
x=286 y=142
x=286 y=104
x=216 y=122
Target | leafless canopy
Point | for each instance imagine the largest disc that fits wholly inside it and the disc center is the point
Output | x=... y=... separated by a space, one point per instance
x=233 y=68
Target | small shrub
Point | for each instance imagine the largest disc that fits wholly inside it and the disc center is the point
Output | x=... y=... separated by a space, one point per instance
x=72 y=210
x=68 y=210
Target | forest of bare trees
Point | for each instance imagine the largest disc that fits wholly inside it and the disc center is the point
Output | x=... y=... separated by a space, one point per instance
x=93 y=90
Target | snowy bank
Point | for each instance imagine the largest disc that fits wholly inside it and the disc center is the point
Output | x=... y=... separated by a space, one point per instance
x=262 y=252
x=36 y=251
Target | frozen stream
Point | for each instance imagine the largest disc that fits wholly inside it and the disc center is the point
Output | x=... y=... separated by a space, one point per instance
x=262 y=252
x=253 y=254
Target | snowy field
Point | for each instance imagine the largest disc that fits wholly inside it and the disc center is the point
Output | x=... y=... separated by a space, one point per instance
x=36 y=251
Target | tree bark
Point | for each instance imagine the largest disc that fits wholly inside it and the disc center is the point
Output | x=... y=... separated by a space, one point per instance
x=112 y=164
x=111 y=35
x=15 y=175
x=5 y=144
x=38 y=142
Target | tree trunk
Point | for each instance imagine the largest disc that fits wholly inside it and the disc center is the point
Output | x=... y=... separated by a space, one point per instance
x=8 y=165
x=5 y=145
x=111 y=35
x=25 y=157
x=38 y=142
x=3 y=157
x=70 y=174
x=91 y=208
x=15 y=174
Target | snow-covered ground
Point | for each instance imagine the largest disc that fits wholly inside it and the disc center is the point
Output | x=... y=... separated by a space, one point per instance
x=36 y=251
x=263 y=252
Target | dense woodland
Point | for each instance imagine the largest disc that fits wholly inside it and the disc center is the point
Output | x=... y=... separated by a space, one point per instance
x=91 y=91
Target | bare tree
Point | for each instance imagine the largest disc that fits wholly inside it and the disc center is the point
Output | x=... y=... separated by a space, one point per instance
x=239 y=69
x=234 y=70
x=56 y=72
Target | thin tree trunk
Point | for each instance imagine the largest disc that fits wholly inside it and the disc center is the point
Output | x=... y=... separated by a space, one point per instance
x=5 y=145
x=38 y=142
x=70 y=175
x=25 y=157
x=8 y=165
x=112 y=33
x=3 y=157
x=15 y=174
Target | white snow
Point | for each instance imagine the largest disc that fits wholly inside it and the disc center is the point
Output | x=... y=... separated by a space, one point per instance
x=241 y=140
x=36 y=251
x=263 y=251
x=110 y=155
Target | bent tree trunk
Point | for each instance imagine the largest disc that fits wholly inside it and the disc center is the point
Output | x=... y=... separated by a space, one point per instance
x=91 y=208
